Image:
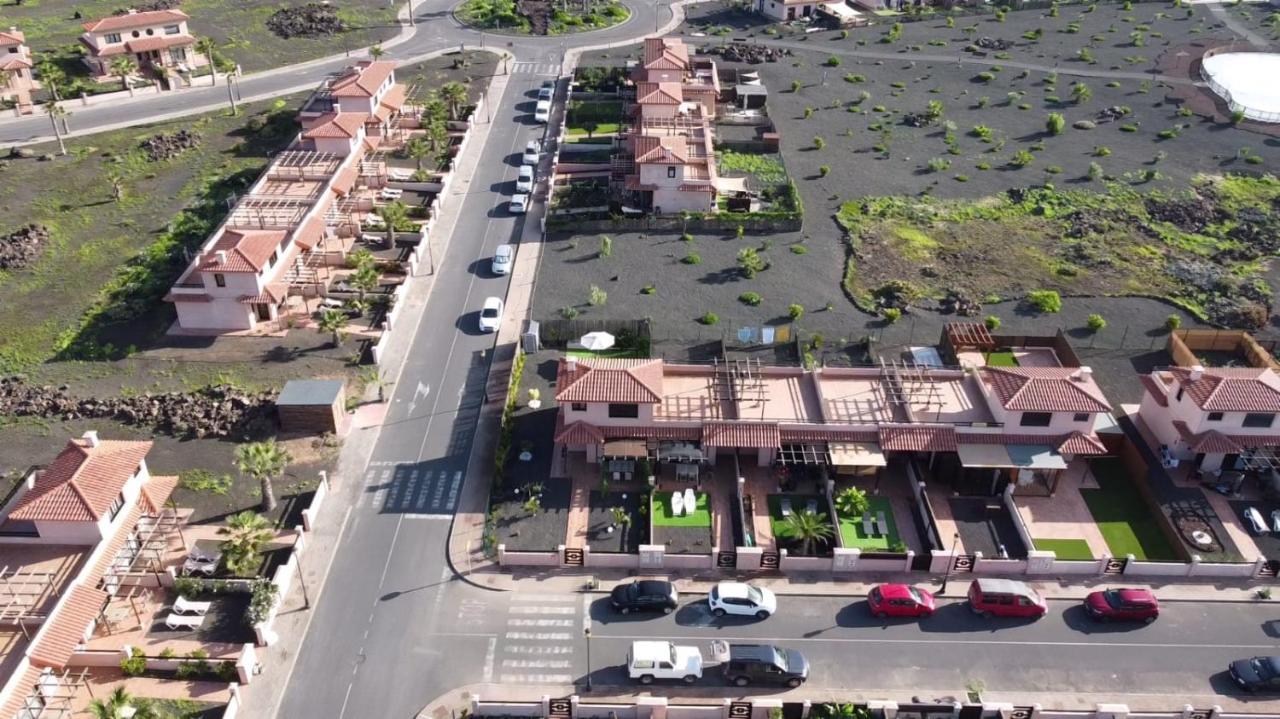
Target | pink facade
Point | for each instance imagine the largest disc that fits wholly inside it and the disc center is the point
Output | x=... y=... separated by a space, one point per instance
x=16 y=81
x=158 y=40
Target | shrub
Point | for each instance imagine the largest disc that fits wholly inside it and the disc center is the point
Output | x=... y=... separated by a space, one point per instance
x=569 y=313
x=983 y=165
x=693 y=258
x=1055 y=123
x=1130 y=127
x=824 y=170
x=135 y=664
x=1237 y=117
x=844 y=34
x=1081 y=92
x=938 y=164
x=1168 y=134
x=983 y=101
x=687 y=237
x=799 y=250
x=852 y=502
x=853 y=77
x=709 y=318
x=961 y=178
x=1095 y=322
x=1022 y=158
x=795 y=311
x=1095 y=171
x=808 y=113
x=832 y=61
x=606 y=246
x=1101 y=151
x=750 y=298
x=819 y=143
x=597 y=296
x=1053 y=170
x=992 y=322
x=750 y=262
x=1172 y=322
x=892 y=314
x=648 y=290
x=1045 y=300
x=981 y=131
x=985 y=76
x=796 y=85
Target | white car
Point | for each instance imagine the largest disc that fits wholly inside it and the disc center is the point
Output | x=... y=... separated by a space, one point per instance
x=532 y=151
x=542 y=112
x=491 y=315
x=741 y=599
x=1254 y=518
x=546 y=92
x=519 y=204
x=502 y=258
x=524 y=182
x=649 y=660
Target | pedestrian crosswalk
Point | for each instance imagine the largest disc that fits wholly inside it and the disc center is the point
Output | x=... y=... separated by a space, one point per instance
x=412 y=489
x=540 y=641
x=535 y=68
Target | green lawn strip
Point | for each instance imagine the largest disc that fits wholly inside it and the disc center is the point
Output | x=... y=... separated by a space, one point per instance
x=1073 y=549
x=602 y=128
x=1001 y=359
x=662 y=517
x=798 y=503
x=620 y=353
x=1123 y=516
x=852 y=533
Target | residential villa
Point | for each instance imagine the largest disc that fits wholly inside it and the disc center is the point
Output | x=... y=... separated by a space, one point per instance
x=159 y=41
x=268 y=257
x=787 y=10
x=16 y=82
x=668 y=162
x=979 y=429
x=70 y=533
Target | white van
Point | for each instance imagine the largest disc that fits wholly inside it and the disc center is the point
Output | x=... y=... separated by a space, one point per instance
x=649 y=660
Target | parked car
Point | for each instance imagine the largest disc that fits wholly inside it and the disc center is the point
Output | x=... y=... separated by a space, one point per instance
x=1129 y=605
x=546 y=92
x=645 y=595
x=765 y=664
x=524 y=181
x=900 y=600
x=1005 y=598
x=491 y=315
x=1260 y=674
x=649 y=660
x=542 y=111
x=532 y=151
x=1254 y=518
x=503 y=255
x=519 y=204
x=741 y=599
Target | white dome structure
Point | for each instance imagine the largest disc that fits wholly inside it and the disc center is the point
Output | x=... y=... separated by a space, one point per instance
x=1246 y=81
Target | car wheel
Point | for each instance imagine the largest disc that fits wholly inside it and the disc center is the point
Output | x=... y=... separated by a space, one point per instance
x=793 y=683
x=690 y=679
x=625 y=610
x=1149 y=619
x=882 y=615
x=762 y=614
x=741 y=681
x=646 y=678
x=985 y=615
x=667 y=610
x=718 y=612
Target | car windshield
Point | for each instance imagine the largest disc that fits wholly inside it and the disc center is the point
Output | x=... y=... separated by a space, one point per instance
x=1113 y=599
x=755 y=595
x=915 y=595
x=1265 y=667
x=779 y=658
x=875 y=594
x=489 y=312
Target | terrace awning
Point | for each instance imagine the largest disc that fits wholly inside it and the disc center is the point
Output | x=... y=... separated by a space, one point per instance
x=1035 y=456
x=856 y=454
x=626 y=448
x=804 y=453
x=984 y=455
x=680 y=452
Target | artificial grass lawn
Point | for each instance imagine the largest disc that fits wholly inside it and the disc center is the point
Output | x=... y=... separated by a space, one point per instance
x=798 y=503
x=1077 y=549
x=662 y=516
x=1001 y=359
x=852 y=534
x=601 y=128
x=1123 y=516
x=611 y=353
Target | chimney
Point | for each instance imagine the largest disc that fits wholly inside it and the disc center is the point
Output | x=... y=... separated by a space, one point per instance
x=91 y=438
x=1197 y=371
x=571 y=364
x=222 y=256
x=1084 y=373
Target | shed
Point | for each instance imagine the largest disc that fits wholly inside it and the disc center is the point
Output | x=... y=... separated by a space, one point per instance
x=314 y=406
x=751 y=97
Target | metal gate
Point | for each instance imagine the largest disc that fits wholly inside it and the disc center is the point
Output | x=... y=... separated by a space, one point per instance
x=1115 y=565
x=573 y=557
x=727 y=560
x=963 y=563
x=770 y=560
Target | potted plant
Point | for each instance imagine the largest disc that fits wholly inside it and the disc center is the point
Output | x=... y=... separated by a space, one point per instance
x=535 y=398
x=526 y=450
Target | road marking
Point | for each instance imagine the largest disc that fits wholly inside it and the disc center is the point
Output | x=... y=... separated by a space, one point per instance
x=453 y=491
x=391 y=552
x=973 y=642
x=428 y=516
x=535 y=678
x=538 y=649
x=539 y=622
x=488 y=659
x=541 y=610
x=540 y=636
x=536 y=664
x=544 y=597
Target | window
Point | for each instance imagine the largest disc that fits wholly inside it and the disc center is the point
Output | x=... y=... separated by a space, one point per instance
x=151 y=31
x=671 y=171
x=172 y=29
x=578 y=407
x=1215 y=416
x=1179 y=397
x=274 y=256
x=115 y=508
x=624 y=411
x=220 y=280
x=178 y=54
x=1258 y=419
x=1080 y=417
x=111 y=38
x=1036 y=419
x=13 y=50
x=135 y=33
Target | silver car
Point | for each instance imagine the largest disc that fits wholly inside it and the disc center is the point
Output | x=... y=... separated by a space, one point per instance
x=502 y=258
x=524 y=181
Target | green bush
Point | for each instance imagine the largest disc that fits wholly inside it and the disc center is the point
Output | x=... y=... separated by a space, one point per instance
x=1022 y=158
x=750 y=298
x=854 y=78
x=693 y=258
x=795 y=311
x=799 y=250
x=1172 y=322
x=1095 y=322
x=1101 y=151
x=1045 y=300
x=135 y=664
x=992 y=322
x=938 y=164
x=1055 y=123
x=648 y=290
x=824 y=170
x=832 y=61
x=709 y=318
x=892 y=314
x=985 y=76
x=596 y=296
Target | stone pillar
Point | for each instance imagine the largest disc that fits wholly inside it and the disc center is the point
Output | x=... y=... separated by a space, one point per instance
x=845 y=559
x=502 y=554
x=911 y=559
x=1112 y=711
x=651 y=708
x=749 y=558
x=651 y=556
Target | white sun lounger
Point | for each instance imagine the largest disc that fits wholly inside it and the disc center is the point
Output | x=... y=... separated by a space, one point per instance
x=181 y=621
x=677 y=504
x=187 y=606
x=786 y=506
x=869 y=526
x=881 y=523
x=811 y=506
x=690 y=501
x=195 y=565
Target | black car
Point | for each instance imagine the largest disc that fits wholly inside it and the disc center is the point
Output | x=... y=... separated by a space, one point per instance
x=1260 y=674
x=648 y=595
x=765 y=664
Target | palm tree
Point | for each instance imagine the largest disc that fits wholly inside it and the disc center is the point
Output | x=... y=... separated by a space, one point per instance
x=57 y=112
x=364 y=279
x=263 y=461
x=454 y=95
x=393 y=214
x=122 y=67
x=205 y=46
x=376 y=52
x=332 y=322
x=807 y=528
x=51 y=75
x=118 y=706
x=417 y=149
x=245 y=534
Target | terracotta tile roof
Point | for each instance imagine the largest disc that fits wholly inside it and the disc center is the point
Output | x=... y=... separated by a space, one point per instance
x=14 y=62
x=108 y=51
x=827 y=434
x=1045 y=389
x=925 y=438
x=578 y=432
x=363 y=80
x=661 y=150
x=665 y=54
x=1232 y=389
x=188 y=297
x=66 y=627
x=156 y=492
x=337 y=125
x=659 y=93
x=1080 y=443
x=346 y=179
x=634 y=184
x=653 y=432
x=311 y=231
x=82 y=481
x=1155 y=388
x=146 y=44
x=12 y=37
x=631 y=381
x=741 y=434
x=1214 y=442
x=247 y=250
x=394 y=99
x=23 y=687
x=272 y=294
x=138 y=19
x=696 y=187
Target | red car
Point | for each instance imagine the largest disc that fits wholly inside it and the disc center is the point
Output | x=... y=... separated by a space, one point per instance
x=900 y=600
x=1126 y=605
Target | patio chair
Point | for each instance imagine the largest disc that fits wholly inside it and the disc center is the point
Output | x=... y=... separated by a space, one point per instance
x=690 y=501
x=881 y=523
x=617 y=476
x=677 y=504
x=786 y=506
x=187 y=606
x=195 y=565
x=869 y=526
x=182 y=621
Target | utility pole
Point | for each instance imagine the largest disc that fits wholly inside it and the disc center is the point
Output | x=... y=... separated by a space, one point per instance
x=411 y=20
x=231 y=96
x=951 y=562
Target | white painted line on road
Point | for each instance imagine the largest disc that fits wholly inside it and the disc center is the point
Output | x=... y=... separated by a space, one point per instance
x=391 y=552
x=540 y=636
x=976 y=642
x=586 y=613
x=488 y=660
x=536 y=664
x=537 y=649
x=428 y=515
x=453 y=491
x=539 y=622
x=524 y=609
x=346 y=699
x=535 y=678
x=518 y=597
x=421 y=504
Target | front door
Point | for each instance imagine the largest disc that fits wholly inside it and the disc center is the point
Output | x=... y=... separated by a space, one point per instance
x=263 y=310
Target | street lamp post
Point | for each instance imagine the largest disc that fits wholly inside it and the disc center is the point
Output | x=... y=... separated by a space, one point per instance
x=951 y=561
x=586 y=632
